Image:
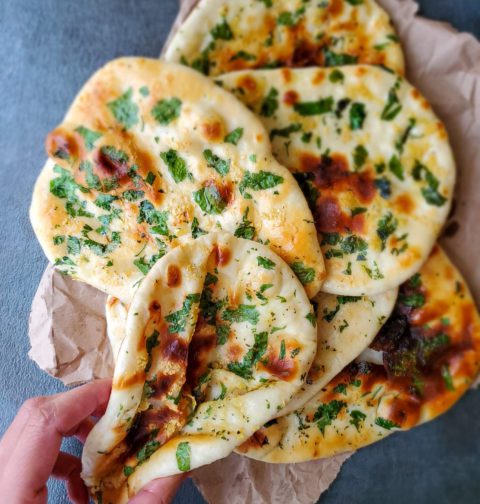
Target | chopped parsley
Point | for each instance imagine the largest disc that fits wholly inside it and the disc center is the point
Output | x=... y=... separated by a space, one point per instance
x=322 y=106
x=392 y=107
x=234 y=136
x=210 y=200
x=396 y=167
x=336 y=76
x=177 y=166
x=360 y=155
x=222 y=31
x=178 y=319
x=147 y=451
x=326 y=413
x=285 y=132
x=258 y=181
x=244 y=313
x=305 y=274
x=386 y=226
x=221 y=166
x=167 y=110
x=265 y=262
x=244 y=368
x=447 y=378
x=196 y=229
x=385 y=423
x=338 y=59
x=246 y=229
x=156 y=218
x=270 y=103
x=124 y=109
x=356 y=418
x=421 y=173
x=357 y=116
x=89 y=136
x=182 y=455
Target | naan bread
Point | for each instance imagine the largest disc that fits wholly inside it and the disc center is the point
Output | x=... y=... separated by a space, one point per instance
x=150 y=152
x=219 y=337
x=222 y=36
x=372 y=158
x=116 y=317
x=423 y=360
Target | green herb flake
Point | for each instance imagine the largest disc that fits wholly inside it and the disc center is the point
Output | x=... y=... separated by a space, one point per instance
x=243 y=313
x=265 y=262
x=357 y=418
x=341 y=388
x=281 y=356
x=430 y=193
x=393 y=106
x=246 y=229
x=336 y=76
x=311 y=318
x=73 y=245
x=357 y=116
x=89 y=136
x=182 y=455
x=147 y=451
x=196 y=229
x=144 y=91
x=234 y=136
x=150 y=178
x=360 y=155
x=167 y=110
x=396 y=167
x=259 y=181
x=177 y=166
x=414 y=300
x=305 y=274
x=221 y=166
x=386 y=226
x=322 y=106
x=210 y=200
x=133 y=195
x=447 y=378
x=386 y=423
x=327 y=413
x=338 y=59
x=124 y=109
x=270 y=103
x=178 y=319
x=222 y=31
x=285 y=132
x=244 y=368
x=128 y=470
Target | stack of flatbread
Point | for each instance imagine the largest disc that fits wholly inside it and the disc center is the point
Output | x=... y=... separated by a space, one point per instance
x=262 y=206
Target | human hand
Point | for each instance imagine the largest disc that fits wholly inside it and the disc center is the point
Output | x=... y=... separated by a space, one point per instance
x=30 y=448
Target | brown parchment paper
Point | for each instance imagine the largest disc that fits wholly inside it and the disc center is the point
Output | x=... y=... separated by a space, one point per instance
x=67 y=322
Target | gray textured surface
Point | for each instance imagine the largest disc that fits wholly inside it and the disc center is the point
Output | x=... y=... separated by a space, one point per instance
x=48 y=48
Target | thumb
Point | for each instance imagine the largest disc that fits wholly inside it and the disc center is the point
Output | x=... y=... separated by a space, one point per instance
x=159 y=491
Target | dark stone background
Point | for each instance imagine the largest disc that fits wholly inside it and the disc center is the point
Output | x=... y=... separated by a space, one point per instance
x=48 y=48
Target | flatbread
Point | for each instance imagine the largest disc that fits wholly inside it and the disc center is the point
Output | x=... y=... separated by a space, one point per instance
x=150 y=152
x=373 y=160
x=222 y=36
x=116 y=317
x=423 y=360
x=219 y=335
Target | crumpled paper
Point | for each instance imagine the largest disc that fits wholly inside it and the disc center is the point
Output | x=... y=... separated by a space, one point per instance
x=67 y=323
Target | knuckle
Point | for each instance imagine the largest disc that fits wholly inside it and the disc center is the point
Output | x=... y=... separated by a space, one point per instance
x=38 y=410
